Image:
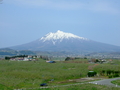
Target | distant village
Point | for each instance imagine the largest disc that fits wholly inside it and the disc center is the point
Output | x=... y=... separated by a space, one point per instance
x=29 y=58
x=49 y=60
x=21 y=58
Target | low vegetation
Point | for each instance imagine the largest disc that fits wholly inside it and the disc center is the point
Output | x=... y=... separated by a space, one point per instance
x=117 y=82
x=82 y=87
x=30 y=74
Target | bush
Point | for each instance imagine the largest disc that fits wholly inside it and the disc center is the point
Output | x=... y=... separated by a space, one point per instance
x=115 y=75
x=91 y=73
x=110 y=76
x=69 y=58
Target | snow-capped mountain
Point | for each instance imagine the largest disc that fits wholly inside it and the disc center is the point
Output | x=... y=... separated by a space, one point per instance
x=59 y=36
x=68 y=42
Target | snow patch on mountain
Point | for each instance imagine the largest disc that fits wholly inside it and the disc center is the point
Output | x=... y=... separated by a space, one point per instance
x=60 y=35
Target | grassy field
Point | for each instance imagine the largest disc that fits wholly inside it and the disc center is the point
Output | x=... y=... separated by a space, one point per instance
x=117 y=82
x=30 y=74
x=83 y=87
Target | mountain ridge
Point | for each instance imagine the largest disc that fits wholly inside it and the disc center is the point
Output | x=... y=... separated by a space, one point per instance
x=62 y=41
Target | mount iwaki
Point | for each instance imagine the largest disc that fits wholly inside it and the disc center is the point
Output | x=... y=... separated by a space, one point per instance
x=68 y=42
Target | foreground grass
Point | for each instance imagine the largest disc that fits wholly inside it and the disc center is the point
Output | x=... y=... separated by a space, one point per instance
x=81 y=87
x=2 y=87
x=16 y=74
x=117 y=82
x=30 y=74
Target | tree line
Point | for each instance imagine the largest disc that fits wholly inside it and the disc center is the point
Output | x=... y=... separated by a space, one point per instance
x=110 y=73
x=20 y=56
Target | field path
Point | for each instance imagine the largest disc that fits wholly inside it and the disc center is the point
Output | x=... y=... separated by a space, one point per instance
x=99 y=82
x=106 y=82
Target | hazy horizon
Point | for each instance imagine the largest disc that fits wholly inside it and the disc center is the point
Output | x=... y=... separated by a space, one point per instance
x=23 y=21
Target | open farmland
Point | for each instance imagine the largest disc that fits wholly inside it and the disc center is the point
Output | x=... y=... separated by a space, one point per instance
x=30 y=74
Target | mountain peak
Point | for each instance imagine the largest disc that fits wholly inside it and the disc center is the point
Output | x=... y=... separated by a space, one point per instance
x=58 y=31
x=61 y=41
x=60 y=35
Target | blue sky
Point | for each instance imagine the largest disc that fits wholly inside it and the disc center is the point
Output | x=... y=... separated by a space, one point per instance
x=23 y=21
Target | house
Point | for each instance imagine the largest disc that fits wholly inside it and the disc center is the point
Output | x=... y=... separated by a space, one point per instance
x=97 y=60
x=26 y=59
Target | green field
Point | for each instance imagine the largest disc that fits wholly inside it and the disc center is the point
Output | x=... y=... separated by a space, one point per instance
x=117 y=82
x=30 y=74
